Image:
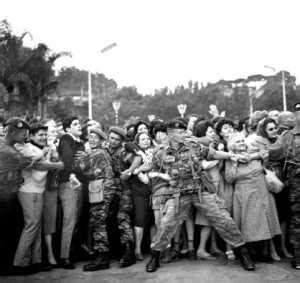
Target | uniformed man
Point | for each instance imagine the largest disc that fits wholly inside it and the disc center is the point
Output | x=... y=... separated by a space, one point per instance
x=287 y=148
x=97 y=168
x=187 y=185
x=11 y=165
x=118 y=155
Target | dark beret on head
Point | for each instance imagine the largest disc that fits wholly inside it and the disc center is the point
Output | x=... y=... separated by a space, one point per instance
x=119 y=131
x=177 y=124
x=17 y=123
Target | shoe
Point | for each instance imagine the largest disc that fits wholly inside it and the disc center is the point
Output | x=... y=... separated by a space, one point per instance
x=230 y=255
x=153 y=263
x=205 y=256
x=66 y=264
x=245 y=259
x=100 y=263
x=128 y=258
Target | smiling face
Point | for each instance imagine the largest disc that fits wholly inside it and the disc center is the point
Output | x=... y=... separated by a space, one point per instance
x=144 y=141
x=39 y=138
x=271 y=130
x=94 y=140
x=237 y=143
x=210 y=133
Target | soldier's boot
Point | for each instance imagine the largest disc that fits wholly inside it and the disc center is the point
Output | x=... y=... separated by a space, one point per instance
x=296 y=259
x=129 y=257
x=244 y=258
x=101 y=262
x=153 y=263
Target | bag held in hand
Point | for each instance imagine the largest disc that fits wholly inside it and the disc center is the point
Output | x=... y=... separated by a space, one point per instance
x=96 y=191
x=274 y=184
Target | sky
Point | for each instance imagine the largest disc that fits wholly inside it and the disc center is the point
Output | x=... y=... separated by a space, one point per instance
x=164 y=42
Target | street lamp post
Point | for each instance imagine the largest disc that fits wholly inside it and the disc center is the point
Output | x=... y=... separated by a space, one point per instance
x=90 y=95
x=116 y=105
x=181 y=109
x=283 y=86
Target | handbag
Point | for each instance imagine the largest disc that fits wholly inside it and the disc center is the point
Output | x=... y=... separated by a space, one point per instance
x=274 y=185
x=96 y=191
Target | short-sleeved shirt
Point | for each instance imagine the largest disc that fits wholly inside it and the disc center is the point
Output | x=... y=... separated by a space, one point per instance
x=34 y=180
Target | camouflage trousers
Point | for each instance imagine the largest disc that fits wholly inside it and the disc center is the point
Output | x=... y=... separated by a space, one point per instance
x=99 y=213
x=175 y=210
x=125 y=208
x=294 y=198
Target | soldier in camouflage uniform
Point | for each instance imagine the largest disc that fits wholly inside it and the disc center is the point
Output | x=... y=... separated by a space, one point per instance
x=11 y=165
x=119 y=156
x=180 y=163
x=287 y=148
x=97 y=166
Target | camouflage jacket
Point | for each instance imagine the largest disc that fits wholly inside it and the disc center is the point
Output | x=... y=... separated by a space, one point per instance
x=183 y=164
x=11 y=164
x=287 y=149
x=97 y=165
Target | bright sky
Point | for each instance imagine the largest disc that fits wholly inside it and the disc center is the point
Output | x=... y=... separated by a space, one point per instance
x=165 y=42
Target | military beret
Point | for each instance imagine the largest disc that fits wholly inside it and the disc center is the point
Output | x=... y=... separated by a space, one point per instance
x=177 y=124
x=119 y=131
x=17 y=123
x=99 y=132
x=297 y=106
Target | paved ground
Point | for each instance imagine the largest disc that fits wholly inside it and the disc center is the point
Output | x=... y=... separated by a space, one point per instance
x=181 y=271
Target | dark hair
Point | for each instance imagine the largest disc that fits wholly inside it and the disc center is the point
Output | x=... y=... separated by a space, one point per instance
x=68 y=121
x=221 y=123
x=262 y=128
x=242 y=122
x=159 y=127
x=201 y=128
x=138 y=124
x=84 y=133
x=34 y=128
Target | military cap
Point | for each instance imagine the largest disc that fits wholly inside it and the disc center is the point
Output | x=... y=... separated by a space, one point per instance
x=17 y=123
x=297 y=106
x=177 y=124
x=119 y=131
x=98 y=132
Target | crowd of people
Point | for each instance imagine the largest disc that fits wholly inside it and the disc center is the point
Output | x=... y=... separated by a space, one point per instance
x=70 y=192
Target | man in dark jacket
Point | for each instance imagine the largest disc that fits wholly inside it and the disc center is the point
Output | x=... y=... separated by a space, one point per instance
x=69 y=144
